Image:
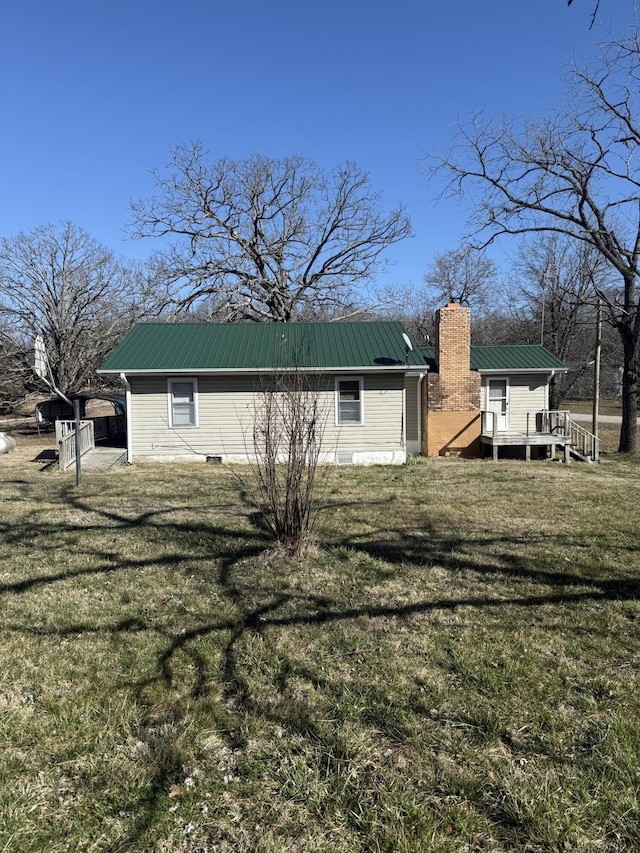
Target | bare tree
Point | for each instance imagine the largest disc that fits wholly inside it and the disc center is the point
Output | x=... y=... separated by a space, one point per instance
x=14 y=371
x=463 y=275
x=59 y=282
x=577 y=174
x=263 y=239
x=554 y=302
x=415 y=308
x=594 y=13
x=468 y=276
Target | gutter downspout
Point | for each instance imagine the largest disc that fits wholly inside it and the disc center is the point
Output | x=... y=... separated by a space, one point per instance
x=127 y=386
x=420 y=410
x=403 y=421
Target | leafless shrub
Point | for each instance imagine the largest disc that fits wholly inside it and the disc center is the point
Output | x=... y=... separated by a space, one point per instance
x=288 y=431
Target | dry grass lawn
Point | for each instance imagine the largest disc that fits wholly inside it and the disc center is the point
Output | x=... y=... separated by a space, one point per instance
x=453 y=668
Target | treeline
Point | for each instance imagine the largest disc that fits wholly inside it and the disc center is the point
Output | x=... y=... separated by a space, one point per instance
x=60 y=283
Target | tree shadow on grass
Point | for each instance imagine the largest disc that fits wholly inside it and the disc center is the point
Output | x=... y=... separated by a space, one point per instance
x=284 y=611
x=278 y=613
x=259 y=609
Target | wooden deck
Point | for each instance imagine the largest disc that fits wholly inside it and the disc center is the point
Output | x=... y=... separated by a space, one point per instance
x=550 y=429
x=93 y=457
x=517 y=439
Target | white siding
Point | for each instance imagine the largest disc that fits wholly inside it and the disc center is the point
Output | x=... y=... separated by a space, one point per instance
x=527 y=393
x=382 y=431
x=227 y=407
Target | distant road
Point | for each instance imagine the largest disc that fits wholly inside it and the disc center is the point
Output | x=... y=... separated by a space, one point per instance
x=602 y=419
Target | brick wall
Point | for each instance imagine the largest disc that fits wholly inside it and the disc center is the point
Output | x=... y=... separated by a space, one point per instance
x=452 y=398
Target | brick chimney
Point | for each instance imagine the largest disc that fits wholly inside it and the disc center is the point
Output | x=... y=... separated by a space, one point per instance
x=458 y=388
x=453 y=393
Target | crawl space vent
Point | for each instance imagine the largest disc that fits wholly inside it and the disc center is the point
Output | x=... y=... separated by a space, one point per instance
x=344 y=458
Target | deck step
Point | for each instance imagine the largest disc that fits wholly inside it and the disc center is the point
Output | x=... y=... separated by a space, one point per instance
x=578 y=454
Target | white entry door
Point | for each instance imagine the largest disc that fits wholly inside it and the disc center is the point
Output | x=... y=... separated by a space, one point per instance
x=499 y=403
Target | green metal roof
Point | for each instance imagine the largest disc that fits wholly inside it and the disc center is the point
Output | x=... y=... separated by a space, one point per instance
x=505 y=358
x=529 y=357
x=191 y=347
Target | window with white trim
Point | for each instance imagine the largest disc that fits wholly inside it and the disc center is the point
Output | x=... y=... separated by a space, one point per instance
x=349 y=408
x=183 y=403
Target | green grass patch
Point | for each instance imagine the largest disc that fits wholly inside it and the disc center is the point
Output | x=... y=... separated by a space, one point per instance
x=455 y=667
x=585 y=407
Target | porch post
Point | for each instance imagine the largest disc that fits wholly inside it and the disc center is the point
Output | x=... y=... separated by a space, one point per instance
x=76 y=414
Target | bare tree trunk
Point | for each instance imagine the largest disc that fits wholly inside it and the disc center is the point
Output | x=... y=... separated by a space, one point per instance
x=629 y=429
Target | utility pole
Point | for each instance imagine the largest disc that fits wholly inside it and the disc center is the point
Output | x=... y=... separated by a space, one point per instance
x=596 y=369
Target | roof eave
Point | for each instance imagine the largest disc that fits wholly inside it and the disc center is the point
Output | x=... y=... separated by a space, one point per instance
x=519 y=370
x=226 y=371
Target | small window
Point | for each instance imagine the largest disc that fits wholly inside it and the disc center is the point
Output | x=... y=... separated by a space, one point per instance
x=349 y=402
x=497 y=389
x=182 y=403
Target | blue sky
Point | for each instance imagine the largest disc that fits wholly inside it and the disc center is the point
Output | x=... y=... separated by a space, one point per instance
x=94 y=95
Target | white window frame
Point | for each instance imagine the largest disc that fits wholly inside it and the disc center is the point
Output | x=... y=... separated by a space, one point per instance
x=360 y=381
x=170 y=402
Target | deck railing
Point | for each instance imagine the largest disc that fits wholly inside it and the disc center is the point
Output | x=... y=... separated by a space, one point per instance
x=535 y=423
x=66 y=438
x=551 y=422
x=555 y=422
x=585 y=442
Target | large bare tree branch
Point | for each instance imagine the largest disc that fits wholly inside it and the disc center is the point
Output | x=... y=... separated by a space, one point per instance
x=268 y=238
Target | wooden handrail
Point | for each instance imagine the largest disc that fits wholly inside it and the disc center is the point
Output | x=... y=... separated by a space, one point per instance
x=585 y=442
x=66 y=438
x=556 y=422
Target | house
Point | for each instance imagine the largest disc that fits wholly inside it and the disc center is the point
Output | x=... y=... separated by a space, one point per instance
x=193 y=389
